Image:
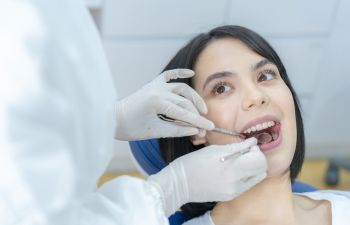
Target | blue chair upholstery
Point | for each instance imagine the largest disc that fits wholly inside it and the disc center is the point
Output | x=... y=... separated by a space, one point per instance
x=300 y=187
x=148 y=156
x=178 y=218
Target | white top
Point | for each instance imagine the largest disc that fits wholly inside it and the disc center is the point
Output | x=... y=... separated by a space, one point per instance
x=340 y=202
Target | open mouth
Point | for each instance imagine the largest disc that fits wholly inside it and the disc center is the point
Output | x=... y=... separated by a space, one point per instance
x=267 y=134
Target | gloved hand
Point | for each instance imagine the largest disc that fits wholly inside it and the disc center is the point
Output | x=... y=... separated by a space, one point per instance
x=137 y=114
x=200 y=176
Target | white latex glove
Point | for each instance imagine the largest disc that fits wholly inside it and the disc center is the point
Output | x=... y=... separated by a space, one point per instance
x=137 y=114
x=200 y=176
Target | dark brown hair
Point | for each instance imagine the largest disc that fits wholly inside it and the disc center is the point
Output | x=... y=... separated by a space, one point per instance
x=172 y=148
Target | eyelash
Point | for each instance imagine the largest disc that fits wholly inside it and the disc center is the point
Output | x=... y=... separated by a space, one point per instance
x=220 y=84
x=268 y=71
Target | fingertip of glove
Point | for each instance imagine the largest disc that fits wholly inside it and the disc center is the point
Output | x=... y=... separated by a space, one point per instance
x=211 y=125
x=206 y=124
x=251 y=141
x=262 y=177
x=177 y=73
x=189 y=132
x=202 y=107
x=182 y=73
x=187 y=72
x=202 y=133
x=255 y=148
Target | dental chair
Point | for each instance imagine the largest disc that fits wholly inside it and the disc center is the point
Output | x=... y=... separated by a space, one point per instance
x=149 y=161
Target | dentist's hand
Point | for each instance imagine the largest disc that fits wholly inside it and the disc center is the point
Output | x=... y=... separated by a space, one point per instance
x=200 y=176
x=137 y=114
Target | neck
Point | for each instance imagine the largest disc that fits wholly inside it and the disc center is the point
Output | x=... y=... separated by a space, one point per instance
x=271 y=202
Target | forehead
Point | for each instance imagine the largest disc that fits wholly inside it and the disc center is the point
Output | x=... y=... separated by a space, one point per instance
x=224 y=54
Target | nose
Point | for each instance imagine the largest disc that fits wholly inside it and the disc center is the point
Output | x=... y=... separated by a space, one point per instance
x=254 y=98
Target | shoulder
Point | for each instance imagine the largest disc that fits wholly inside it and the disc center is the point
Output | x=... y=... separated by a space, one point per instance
x=340 y=204
x=336 y=198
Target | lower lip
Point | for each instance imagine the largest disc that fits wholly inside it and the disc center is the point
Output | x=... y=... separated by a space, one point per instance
x=271 y=145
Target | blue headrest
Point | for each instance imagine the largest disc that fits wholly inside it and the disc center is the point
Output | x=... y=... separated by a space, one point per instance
x=300 y=187
x=147 y=155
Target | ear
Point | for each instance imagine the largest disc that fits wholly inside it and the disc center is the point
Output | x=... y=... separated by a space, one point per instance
x=199 y=140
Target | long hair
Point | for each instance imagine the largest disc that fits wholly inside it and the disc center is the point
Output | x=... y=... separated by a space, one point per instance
x=186 y=57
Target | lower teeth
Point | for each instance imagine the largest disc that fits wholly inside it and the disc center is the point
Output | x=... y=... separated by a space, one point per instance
x=274 y=136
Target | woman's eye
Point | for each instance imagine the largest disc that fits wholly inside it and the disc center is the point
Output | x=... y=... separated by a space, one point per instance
x=221 y=88
x=266 y=75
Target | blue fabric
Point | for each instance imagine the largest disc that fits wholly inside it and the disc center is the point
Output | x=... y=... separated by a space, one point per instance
x=300 y=187
x=178 y=218
x=147 y=155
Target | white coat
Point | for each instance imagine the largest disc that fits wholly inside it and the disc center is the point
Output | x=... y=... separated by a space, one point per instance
x=57 y=122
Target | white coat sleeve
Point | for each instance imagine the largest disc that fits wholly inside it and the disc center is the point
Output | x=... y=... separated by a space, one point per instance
x=137 y=203
x=57 y=122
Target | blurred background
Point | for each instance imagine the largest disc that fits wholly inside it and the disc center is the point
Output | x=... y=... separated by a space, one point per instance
x=312 y=38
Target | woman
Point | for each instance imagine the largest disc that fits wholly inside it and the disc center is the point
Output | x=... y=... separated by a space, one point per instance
x=247 y=90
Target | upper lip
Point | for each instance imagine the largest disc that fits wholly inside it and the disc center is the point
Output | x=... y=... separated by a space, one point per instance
x=258 y=120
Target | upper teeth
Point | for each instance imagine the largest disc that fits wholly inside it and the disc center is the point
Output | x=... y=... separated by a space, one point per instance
x=260 y=126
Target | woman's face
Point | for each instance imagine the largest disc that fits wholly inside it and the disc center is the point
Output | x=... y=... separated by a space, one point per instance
x=245 y=93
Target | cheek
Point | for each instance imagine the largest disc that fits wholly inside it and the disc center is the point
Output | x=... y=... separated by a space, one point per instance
x=280 y=162
x=223 y=114
x=286 y=105
x=293 y=133
x=217 y=112
x=291 y=119
x=283 y=98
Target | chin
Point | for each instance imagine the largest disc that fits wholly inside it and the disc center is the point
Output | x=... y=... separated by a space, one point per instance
x=278 y=166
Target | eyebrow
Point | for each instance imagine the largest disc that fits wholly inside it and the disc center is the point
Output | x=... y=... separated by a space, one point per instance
x=261 y=63
x=218 y=75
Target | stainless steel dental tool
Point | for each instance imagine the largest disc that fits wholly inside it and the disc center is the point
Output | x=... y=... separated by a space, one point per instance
x=234 y=155
x=216 y=129
x=224 y=131
x=184 y=123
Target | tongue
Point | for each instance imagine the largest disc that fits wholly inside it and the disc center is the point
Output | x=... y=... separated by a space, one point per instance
x=263 y=138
